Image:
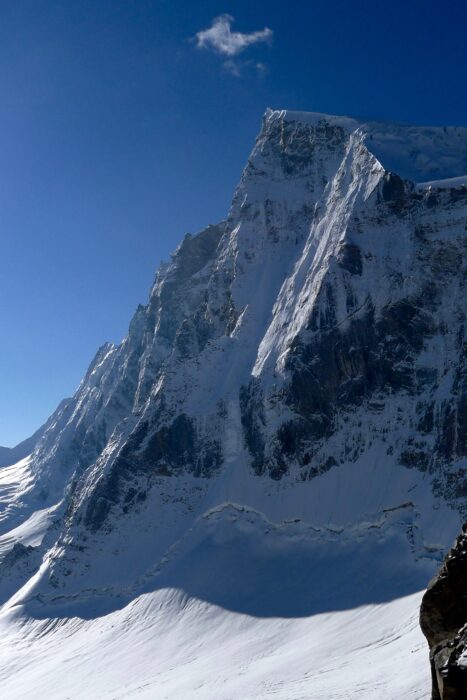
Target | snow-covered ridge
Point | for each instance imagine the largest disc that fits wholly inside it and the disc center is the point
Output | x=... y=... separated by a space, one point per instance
x=448 y=183
x=311 y=118
x=417 y=153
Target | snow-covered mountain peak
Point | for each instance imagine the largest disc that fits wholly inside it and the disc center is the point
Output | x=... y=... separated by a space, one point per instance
x=302 y=359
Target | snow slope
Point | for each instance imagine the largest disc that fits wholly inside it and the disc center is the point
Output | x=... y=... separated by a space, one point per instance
x=246 y=497
x=164 y=645
x=239 y=608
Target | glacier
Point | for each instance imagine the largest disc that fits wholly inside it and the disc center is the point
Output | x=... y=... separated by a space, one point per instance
x=248 y=496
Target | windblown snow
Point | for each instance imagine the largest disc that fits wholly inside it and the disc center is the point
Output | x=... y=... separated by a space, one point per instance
x=246 y=498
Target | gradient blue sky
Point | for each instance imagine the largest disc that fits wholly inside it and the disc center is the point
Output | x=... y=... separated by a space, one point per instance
x=118 y=135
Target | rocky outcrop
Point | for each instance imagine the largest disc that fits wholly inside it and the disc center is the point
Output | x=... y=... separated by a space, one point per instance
x=443 y=619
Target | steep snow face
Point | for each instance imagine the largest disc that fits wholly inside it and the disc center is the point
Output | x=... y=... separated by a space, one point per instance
x=301 y=360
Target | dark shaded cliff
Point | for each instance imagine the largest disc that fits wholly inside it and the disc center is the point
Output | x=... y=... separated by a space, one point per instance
x=443 y=619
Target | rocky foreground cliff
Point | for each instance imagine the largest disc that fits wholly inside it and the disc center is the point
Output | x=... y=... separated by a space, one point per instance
x=443 y=619
x=288 y=409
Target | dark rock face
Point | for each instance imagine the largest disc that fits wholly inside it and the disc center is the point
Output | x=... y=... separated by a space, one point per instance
x=443 y=619
x=252 y=417
x=169 y=451
x=379 y=353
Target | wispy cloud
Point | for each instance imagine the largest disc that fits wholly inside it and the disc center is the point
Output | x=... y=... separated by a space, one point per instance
x=232 y=67
x=238 y=66
x=221 y=39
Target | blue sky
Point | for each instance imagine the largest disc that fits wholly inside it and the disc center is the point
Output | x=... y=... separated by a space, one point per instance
x=123 y=126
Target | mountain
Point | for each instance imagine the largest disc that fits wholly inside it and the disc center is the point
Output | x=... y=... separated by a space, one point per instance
x=249 y=494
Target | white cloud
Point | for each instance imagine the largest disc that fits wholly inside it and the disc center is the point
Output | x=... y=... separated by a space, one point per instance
x=221 y=39
x=232 y=67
